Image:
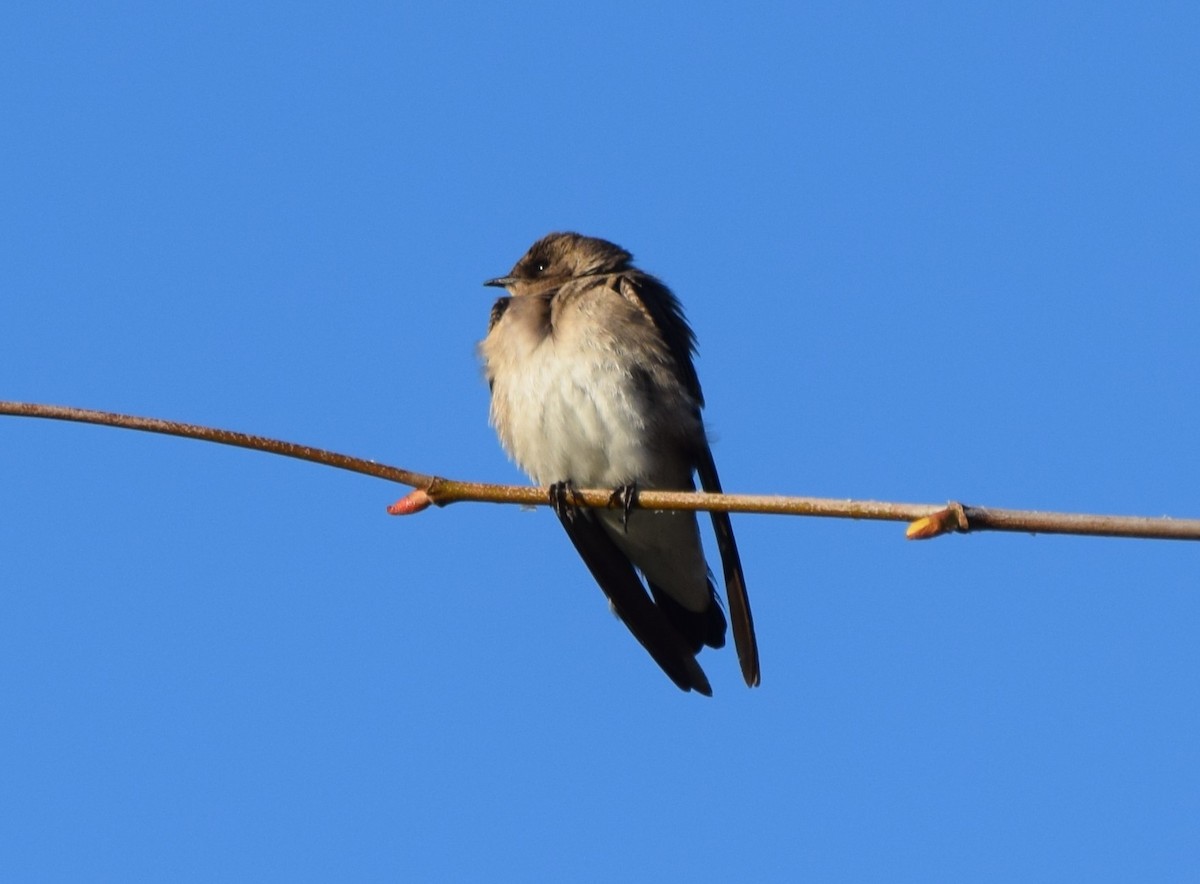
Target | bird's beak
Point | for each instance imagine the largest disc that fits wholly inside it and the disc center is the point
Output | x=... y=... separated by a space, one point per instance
x=501 y=282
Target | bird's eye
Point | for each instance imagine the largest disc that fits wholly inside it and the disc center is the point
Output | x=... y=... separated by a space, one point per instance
x=540 y=266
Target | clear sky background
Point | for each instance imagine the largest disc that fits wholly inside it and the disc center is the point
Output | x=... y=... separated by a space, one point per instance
x=930 y=251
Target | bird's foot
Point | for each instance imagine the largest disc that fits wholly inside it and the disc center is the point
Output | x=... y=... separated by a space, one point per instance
x=624 y=496
x=564 y=500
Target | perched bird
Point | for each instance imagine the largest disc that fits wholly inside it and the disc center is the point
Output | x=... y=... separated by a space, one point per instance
x=589 y=361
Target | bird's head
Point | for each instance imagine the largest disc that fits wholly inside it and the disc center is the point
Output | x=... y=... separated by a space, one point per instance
x=558 y=257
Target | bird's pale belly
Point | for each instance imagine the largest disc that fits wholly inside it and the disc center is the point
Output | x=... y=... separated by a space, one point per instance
x=579 y=419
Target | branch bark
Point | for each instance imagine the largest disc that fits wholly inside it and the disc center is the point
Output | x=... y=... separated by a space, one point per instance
x=925 y=520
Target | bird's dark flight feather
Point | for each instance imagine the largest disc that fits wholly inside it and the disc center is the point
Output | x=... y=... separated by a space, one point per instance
x=735 y=583
x=617 y=577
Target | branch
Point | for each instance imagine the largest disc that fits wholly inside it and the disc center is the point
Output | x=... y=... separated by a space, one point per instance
x=926 y=520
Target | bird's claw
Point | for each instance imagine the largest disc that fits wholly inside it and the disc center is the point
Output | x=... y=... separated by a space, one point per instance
x=624 y=496
x=564 y=500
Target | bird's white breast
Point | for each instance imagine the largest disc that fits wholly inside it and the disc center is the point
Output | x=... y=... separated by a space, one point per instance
x=565 y=405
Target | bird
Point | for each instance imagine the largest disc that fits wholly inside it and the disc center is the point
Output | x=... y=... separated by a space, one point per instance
x=589 y=361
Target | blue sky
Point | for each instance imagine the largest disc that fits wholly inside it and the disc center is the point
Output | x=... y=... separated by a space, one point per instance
x=930 y=251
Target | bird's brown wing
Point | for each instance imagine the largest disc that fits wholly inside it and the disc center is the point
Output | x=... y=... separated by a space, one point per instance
x=664 y=310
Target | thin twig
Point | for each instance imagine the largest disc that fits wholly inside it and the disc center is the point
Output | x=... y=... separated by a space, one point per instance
x=926 y=520
x=224 y=437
